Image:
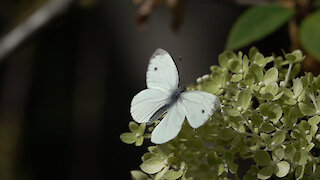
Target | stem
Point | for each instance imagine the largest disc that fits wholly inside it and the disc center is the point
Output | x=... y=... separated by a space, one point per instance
x=314 y=101
x=37 y=20
x=285 y=82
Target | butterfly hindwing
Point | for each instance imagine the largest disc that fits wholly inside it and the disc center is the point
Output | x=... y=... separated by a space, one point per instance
x=170 y=125
x=162 y=73
x=199 y=106
x=146 y=103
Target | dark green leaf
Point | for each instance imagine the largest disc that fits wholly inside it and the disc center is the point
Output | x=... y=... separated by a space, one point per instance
x=256 y=23
x=262 y=158
x=266 y=172
x=309 y=34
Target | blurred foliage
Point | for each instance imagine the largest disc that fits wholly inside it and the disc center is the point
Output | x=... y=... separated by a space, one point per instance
x=147 y=7
x=261 y=20
x=258 y=22
x=269 y=116
x=87 y=3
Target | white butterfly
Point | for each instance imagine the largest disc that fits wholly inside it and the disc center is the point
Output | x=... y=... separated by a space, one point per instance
x=163 y=95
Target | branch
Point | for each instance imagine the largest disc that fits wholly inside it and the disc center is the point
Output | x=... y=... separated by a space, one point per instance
x=35 y=21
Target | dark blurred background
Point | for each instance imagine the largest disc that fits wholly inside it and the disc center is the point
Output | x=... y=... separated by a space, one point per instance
x=65 y=92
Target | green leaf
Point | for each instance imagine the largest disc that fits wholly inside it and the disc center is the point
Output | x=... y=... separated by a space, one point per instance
x=303 y=157
x=236 y=78
x=267 y=96
x=209 y=87
x=225 y=57
x=152 y=165
x=139 y=141
x=264 y=109
x=299 y=172
x=128 y=138
x=317 y=173
x=160 y=174
x=226 y=134
x=232 y=112
x=313 y=130
x=141 y=129
x=267 y=127
x=234 y=65
x=214 y=85
x=295 y=71
x=293 y=116
x=171 y=174
x=248 y=177
x=222 y=169
x=256 y=72
x=297 y=87
x=252 y=52
x=245 y=65
x=262 y=158
x=278 y=96
x=272 y=88
x=256 y=119
x=307 y=108
x=133 y=127
x=295 y=57
x=138 y=175
x=260 y=60
x=244 y=98
x=249 y=80
x=310 y=146
x=290 y=152
x=256 y=23
x=279 y=137
x=147 y=156
x=317 y=82
x=158 y=150
x=233 y=168
x=283 y=168
x=288 y=96
x=267 y=139
x=266 y=172
x=278 y=153
x=275 y=112
x=271 y=76
x=212 y=158
x=309 y=34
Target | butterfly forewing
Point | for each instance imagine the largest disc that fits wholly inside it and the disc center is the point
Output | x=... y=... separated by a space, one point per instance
x=162 y=73
x=199 y=106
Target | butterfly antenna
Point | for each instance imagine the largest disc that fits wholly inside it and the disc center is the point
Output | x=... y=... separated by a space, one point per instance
x=180 y=67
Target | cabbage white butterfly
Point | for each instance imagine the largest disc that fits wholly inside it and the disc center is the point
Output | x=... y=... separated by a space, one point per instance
x=162 y=94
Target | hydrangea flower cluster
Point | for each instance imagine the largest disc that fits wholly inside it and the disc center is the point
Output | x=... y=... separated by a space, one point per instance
x=266 y=127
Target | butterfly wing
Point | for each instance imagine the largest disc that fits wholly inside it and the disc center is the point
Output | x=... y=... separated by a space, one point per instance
x=170 y=125
x=162 y=81
x=199 y=106
x=162 y=72
x=146 y=103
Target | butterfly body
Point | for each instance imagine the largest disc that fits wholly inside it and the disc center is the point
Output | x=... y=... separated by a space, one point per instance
x=163 y=95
